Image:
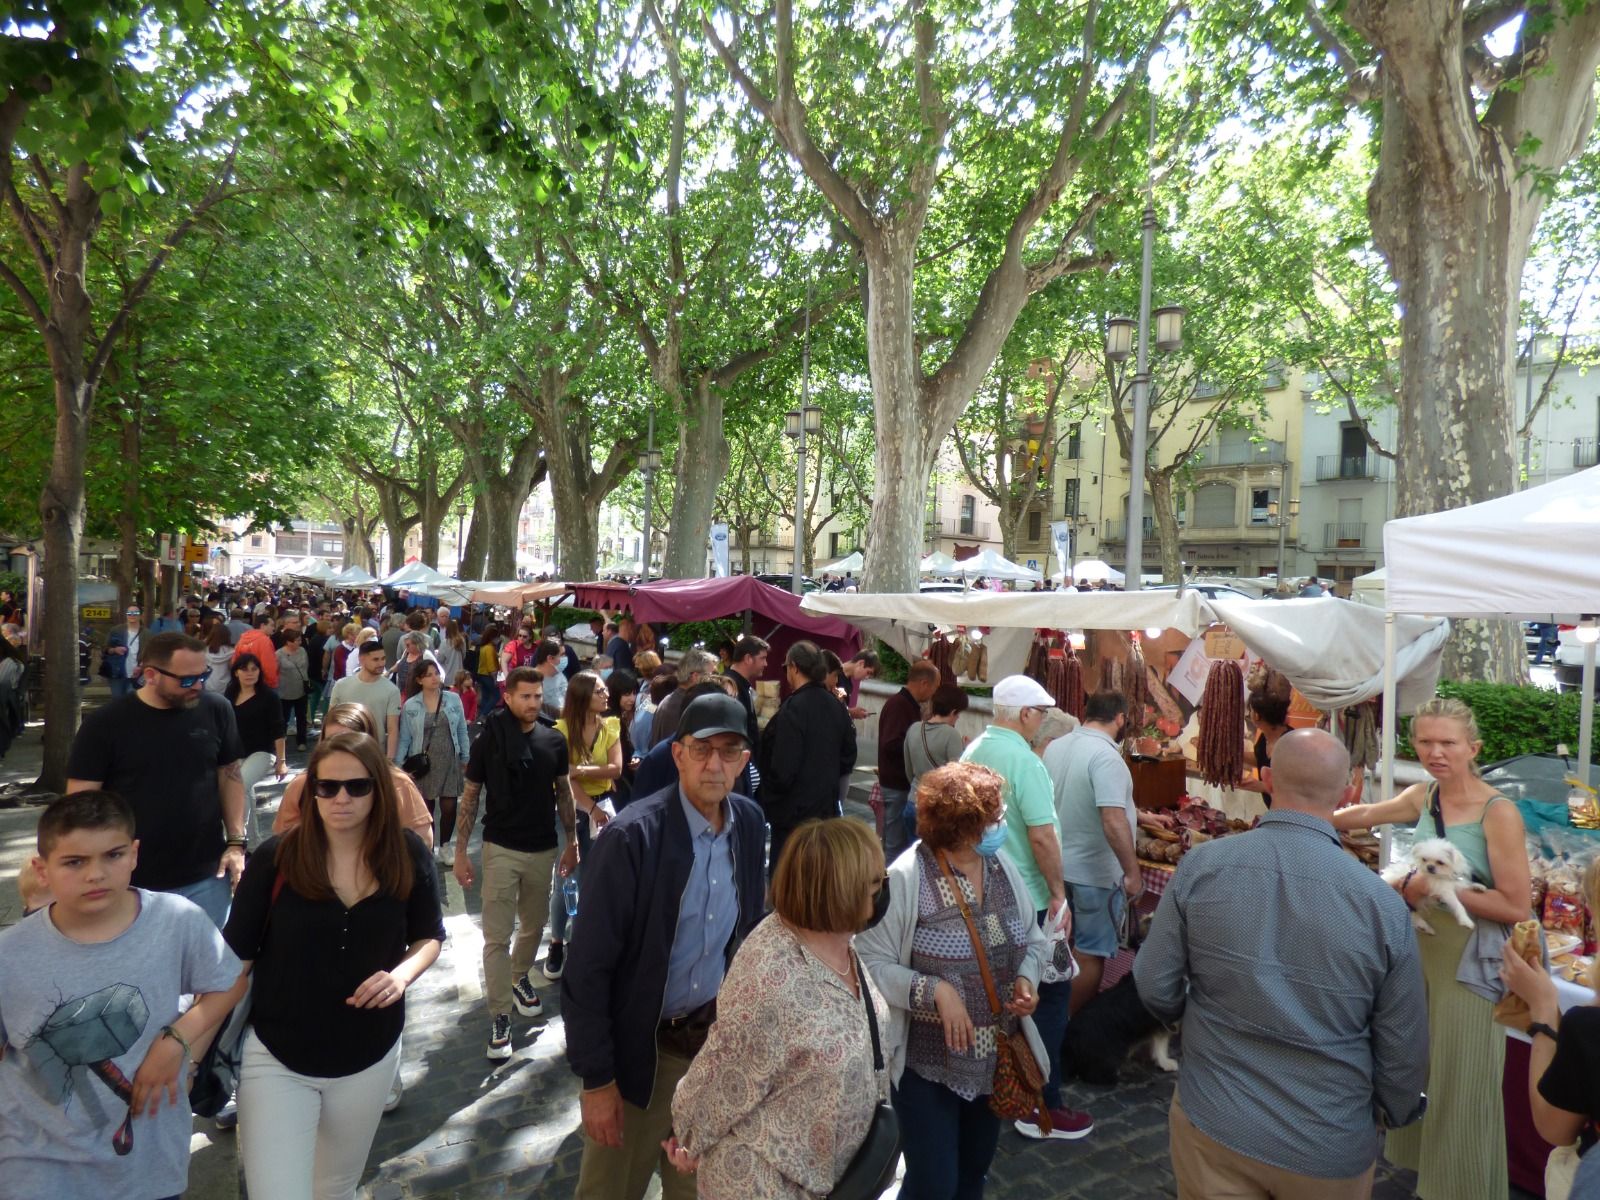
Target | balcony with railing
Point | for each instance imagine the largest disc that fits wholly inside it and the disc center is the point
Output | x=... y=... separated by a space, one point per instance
x=1586 y=452
x=1350 y=466
x=1243 y=454
x=1117 y=531
x=964 y=527
x=1339 y=535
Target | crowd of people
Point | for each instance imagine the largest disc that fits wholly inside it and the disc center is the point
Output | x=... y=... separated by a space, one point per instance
x=762 y=997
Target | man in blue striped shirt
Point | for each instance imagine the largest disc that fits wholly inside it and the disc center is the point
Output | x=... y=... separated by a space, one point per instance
x=1295 y=971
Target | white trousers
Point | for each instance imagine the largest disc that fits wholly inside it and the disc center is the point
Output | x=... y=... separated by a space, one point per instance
x=304 y=1137
x=252 y=770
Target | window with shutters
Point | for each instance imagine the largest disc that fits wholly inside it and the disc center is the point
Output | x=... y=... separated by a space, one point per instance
x=1214 y=506
x=1035 y=525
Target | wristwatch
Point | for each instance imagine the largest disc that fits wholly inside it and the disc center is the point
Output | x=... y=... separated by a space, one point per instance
x=239 y=840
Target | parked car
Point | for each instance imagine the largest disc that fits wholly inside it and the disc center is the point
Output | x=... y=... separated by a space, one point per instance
x=786 y=582
x=1569 y=662
x=939 y=585
x=1211 y=591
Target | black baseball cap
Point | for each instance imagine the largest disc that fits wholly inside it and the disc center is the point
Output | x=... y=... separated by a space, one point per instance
x=707 y=716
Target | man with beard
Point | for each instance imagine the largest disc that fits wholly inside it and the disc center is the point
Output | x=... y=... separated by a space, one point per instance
x=171 y=750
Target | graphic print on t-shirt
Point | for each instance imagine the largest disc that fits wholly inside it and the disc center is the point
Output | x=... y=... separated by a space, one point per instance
x=79 y=1039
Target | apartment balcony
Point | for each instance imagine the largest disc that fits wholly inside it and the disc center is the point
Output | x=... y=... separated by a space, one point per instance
x=965 y=527
x=1117 y=531
x=1585 y=452
x=1351 y=466
x=1344 y=536
x=1247 y=454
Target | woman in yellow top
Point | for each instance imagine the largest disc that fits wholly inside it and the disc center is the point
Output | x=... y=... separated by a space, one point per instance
x=594 y=752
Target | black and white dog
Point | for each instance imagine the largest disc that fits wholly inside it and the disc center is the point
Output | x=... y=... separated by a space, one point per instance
x=1107 y=1030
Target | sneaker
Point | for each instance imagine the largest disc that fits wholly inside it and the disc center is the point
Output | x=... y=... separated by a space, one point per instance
x=1066 y=1125
x=392 y=1100
x=228 y=1117
x=500 y=1037
x=554 y=960
x=526 y=999
x=447 y=854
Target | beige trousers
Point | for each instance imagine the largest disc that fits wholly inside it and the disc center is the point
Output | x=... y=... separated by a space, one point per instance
x=1208 y=1170
x=516 y=898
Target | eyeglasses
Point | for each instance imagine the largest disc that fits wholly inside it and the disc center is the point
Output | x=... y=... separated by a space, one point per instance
x=184 y=681
x=327 y=789
x=702 y=751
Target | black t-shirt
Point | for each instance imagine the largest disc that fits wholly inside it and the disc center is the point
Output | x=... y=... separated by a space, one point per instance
x=1572 y=1081
x=520 y=771
x=310 y=956
x=164 y=763
x=260 y=721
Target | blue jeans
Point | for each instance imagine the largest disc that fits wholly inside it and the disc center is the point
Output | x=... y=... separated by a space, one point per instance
x=894 y=822
x=1050 y=1019
x=213 y=895
x=948 y=1142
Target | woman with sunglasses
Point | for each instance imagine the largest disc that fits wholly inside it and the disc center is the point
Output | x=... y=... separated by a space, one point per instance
x=942 y=1030
x=780 y=1098
x=334 y=920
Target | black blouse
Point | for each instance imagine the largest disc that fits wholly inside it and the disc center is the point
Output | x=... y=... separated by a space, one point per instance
x=311 y=955
x=1572 y=1081
x=260 y=721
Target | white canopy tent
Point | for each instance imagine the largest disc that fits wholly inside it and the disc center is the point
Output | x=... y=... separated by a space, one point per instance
x=416 y=575
x=850 y=564
x=316 y=570
x=1093 y=570
x=938 y=563
x=1533 y=555
x=989 y=563
x=353 y=577
x=1369 y=589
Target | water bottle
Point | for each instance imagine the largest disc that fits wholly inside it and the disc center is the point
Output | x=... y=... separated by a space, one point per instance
x=569 y=894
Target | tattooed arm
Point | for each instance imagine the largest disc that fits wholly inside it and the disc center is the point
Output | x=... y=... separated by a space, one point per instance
x=466 y=819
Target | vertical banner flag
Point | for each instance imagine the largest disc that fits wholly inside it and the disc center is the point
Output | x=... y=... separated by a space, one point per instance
x=719 y=551
x=1061 y=535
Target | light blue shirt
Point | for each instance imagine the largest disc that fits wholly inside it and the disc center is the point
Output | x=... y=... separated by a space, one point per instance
x=706 y=916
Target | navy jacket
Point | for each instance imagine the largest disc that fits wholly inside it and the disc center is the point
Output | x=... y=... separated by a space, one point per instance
x=615 y=979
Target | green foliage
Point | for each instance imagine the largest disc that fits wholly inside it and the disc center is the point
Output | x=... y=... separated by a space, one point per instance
x=892 y=665
x=14 y=583
x=1512 y=720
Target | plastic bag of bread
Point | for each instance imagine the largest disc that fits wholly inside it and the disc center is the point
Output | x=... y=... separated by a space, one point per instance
x=1527 y=940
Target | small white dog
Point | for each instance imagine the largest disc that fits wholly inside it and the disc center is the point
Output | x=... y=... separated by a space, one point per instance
x=1446 y=870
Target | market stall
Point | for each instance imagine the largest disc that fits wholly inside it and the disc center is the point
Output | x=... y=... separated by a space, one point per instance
x=515 y=593
x=773 y=613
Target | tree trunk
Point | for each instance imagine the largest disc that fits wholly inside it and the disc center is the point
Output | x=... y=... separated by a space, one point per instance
x=904 y=456
x=1452 y=242
x=480 y=537
x=701 y=462
x=391 y=506
x=61 y=514
x=500 y=514
x=1165 y=512
x=128 y=517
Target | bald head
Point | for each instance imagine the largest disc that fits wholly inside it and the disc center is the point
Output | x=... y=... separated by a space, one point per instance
x=1310 y=771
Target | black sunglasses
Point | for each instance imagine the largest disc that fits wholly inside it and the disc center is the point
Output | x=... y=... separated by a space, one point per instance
x=184 y=681
x=357 y=788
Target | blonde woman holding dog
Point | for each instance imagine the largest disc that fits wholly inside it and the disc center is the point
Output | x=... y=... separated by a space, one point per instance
x=1459 y=1148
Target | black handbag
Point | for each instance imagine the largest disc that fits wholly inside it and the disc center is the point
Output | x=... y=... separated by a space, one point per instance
x=419 y=764
x=871 y=1168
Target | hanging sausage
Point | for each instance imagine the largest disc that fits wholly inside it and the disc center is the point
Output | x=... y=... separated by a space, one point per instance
x=1221 y=750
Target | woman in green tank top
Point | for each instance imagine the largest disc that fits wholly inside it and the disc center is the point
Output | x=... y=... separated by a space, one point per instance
x=1459 y=1148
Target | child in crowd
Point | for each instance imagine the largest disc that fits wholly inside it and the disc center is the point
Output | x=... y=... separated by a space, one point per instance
x=463 y=686
x=94 y=1055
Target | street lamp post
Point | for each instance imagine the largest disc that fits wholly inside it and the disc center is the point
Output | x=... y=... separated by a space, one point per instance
x=652 y=464
x=1280 y=514
x=797 y=423
x=461 y=550
x=1169 y=336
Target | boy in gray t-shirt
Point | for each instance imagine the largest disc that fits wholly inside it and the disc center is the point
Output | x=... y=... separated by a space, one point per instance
x=94 y=1056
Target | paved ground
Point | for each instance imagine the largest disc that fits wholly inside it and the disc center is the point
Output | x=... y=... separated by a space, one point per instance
x=469 y=1129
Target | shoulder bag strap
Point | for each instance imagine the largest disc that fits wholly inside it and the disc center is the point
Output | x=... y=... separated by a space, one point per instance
x=872 y=1013
x=978 y=951
x=1435 y=809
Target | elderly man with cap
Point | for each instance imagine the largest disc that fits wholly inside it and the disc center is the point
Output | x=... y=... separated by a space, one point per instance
x=122 y=654
x=1033 y=844
x=673 y=883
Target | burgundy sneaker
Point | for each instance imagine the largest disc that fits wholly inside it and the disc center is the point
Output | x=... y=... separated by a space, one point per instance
x=1066 y=1124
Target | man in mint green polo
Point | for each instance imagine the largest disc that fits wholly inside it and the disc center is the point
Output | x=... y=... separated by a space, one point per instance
x=1033 y=844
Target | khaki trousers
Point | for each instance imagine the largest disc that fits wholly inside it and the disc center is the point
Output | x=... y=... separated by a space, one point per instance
x=1208 y=1170
x=516 y=896
x=609 y=1173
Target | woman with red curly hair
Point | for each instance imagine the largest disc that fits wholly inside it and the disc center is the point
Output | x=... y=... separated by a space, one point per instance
x=941 y=1035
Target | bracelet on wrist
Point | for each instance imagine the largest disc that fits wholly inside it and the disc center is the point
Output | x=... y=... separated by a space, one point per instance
x=172 y=1032
x=1536 y=1027
x=237 y=839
